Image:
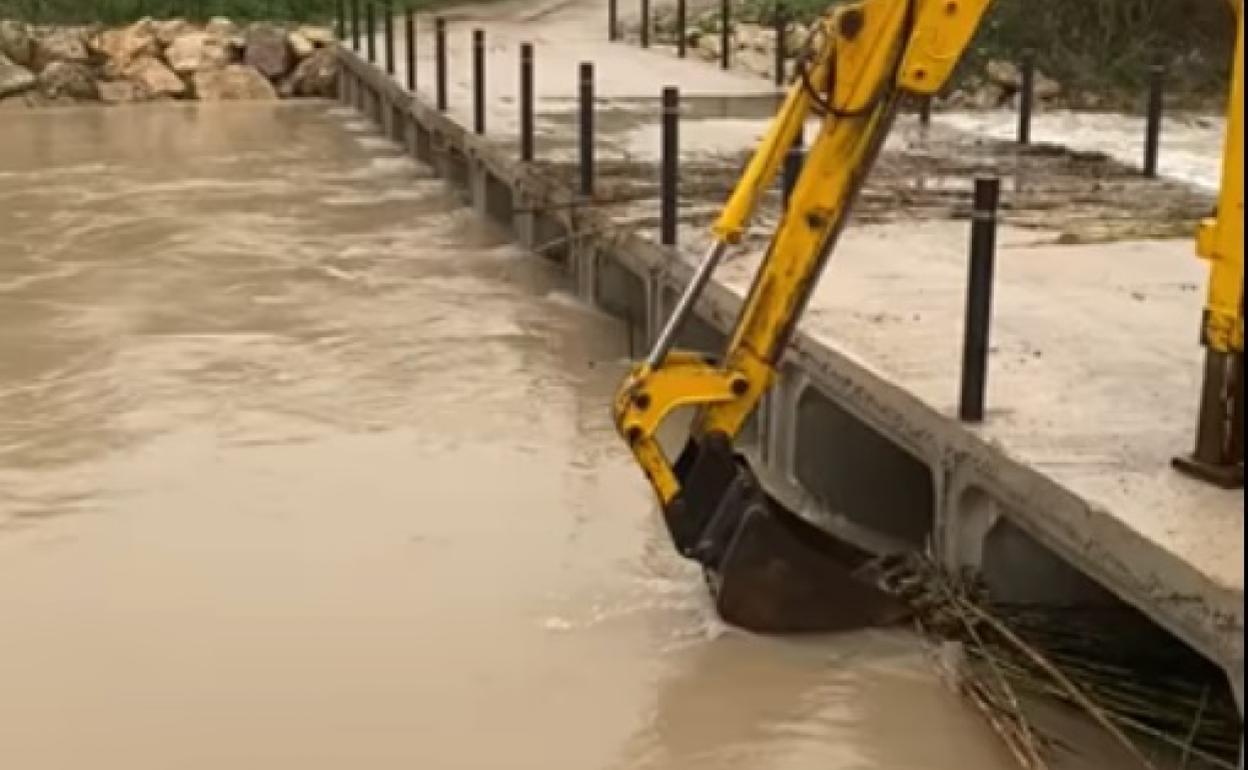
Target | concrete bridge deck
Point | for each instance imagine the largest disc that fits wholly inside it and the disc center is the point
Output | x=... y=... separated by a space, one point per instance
x=1065 y=492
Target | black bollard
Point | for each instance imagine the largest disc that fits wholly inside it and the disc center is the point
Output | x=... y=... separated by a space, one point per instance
x=670 y=166
x=979 y=299
x=725 y=35
x=371 y=29
x=409 y=49
x=645 y=23
x=1026 y=93
x=440 y=61
x=526 y=102
x=1152 y=129
x=388 y=25
x=355 y=25
x=478 y=81
x=587 y=128
x=682 y=42
x=613 y=20
x=782 y=27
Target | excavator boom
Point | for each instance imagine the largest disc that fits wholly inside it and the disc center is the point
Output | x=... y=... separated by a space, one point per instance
x=769 y=569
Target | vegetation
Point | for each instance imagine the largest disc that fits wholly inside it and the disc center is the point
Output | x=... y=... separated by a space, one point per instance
x=1103 y=46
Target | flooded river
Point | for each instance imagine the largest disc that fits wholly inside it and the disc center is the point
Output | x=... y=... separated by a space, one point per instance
x=302 y=466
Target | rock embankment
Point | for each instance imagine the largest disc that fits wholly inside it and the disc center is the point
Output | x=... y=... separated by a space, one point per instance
x=167 y=59
x=752 y=48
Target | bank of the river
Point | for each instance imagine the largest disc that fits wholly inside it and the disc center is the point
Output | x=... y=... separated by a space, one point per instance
x=163 y=59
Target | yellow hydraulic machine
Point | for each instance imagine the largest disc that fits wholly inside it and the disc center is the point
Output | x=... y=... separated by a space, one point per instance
x=768 y=569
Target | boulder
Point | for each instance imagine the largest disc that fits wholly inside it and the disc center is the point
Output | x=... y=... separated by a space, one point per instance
x=268 y=51
x=168 y=31
x=14 y=78
x=62 y=78
x=299 y=45
x=235 y=82
x=59 y=44
x=220 y=25
x=119 y=92
x=744 y=36
x=988 y=97
x=755 y=61
x=321 y=37
x=154 y=77
x=16 y=43
x=764 y=40
x=1004 y=74
x=197 y=51
x=795 y=38
x=316 y=75
x=710 y=47
x=120 y=47
x=1046 y=87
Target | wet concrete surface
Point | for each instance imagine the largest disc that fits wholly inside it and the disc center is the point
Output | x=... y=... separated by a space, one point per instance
x=303 y=466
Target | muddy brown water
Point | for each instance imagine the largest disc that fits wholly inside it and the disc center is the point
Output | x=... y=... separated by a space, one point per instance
x=303 y=466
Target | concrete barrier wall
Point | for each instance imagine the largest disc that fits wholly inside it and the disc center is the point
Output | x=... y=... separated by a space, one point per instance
x=835 y=442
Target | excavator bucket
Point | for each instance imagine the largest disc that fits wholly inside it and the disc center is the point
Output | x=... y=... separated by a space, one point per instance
x=769 y=570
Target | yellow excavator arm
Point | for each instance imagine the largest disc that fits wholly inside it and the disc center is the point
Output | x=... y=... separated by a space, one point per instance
x=863 y=58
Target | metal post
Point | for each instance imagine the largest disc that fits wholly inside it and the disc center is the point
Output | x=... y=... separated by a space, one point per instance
x=440 y=61
x=371 y=31
x=725 y=35
x=388 y=25
x=1218 y=456
x=645 y=23
x=1152 y=131
x=478 y=81
x=979 y=299
x=1026 y=94
x=782 y=27
x=409 y=50
x=355 y=25
x=526 y=102
x=682 y=41
x=341 y=19
x=613 y=20
x=670 y=162
x=925 y=111
x=587 y=128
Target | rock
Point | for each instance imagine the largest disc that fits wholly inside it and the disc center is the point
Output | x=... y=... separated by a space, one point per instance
x=62 y=78
x=16 y=43
x=221 y=26
x=267 y=51
x=197 y=51
x=299 y=45
x=1046 y=87
x=989 y=97
x=710 y=47
x=764 y=40
x=14 y=78
x=795 y=38
x=1004 y=74
x=321 y=37
x=154 y=78
x=235 y=82
x=755 y=61
x=316 y=75
x=744 y=36
x=119 y=91
x=59 y=44
x=168 y=31
x=120 y=47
